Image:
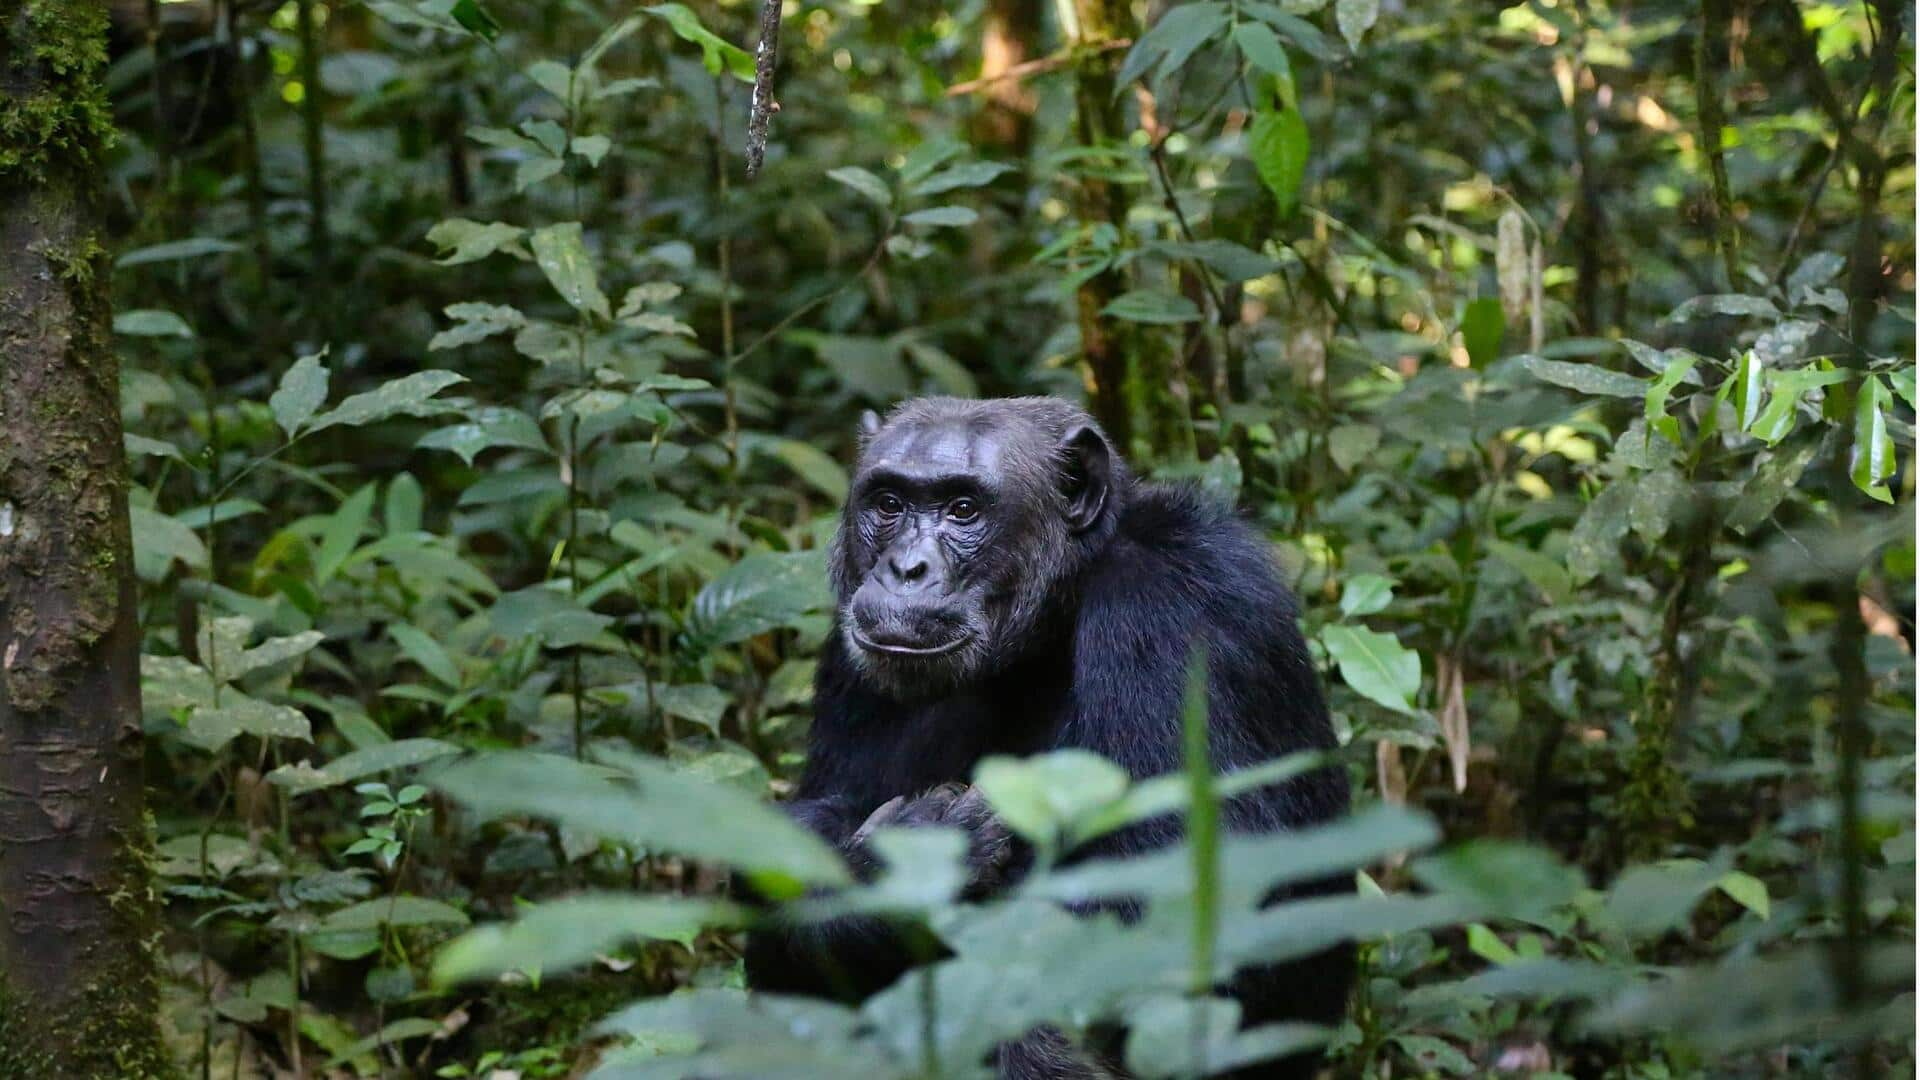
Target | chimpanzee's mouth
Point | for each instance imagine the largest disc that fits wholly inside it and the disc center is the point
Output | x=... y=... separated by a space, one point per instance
x=901 y=648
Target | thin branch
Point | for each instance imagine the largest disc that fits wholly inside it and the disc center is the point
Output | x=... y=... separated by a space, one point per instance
x=766 y=57
x=1037 y=67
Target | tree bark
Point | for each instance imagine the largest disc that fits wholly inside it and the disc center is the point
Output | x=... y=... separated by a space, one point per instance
x=1097 y=119
x=78 y=988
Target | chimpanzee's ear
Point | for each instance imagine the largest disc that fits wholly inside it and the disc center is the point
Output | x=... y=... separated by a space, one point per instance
x=1086 y=476
x=869 y=424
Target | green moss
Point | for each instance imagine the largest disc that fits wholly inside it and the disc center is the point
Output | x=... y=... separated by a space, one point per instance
x=63 y=121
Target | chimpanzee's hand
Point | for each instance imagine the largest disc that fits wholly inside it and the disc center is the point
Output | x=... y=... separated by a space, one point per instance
x=956 y=806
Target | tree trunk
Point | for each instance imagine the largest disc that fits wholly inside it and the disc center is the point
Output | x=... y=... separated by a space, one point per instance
x=78 y=993
x=1005 y=119
x=1097 y=122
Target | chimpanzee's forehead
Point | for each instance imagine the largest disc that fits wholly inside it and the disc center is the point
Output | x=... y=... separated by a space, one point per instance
x=974 y=445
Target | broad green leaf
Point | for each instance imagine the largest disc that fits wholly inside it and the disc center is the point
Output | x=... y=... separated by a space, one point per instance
x=1747 y=891
x=1482 y=328
x=488 y=427
x=813 y=465
x=1595 y=543
x=717 y=53
x=1355 y=18
x=1040 y=797
x=1230 y=260
x=302 y=390
x=1541 y=571
x=150 y=323
x=556 y=618
x=1771 y=482
x=869 y=186
x=1656 y=497
x=476 y=19
x=1173 y=38
x=762 y=592
x=142 y=446
x=647 y=804
x=1501 y=877
x=1365 y=594
x=404 y=753
x=1261 y=47
x=393 y=911
x=1349 y=444
x=561 y=253
x=173 y=682
x=700 y=703
x=421 y=648
x=191 y=248
x=1871 y=460
x=404 y=509
x=1376 y=665
x=1279 y=145
x=1652 y=899
x=1751 y=307
x=938 y=216
x=342 y=533
x=1586 y=378
x=1657 y=393
x=968 y=175
x=1784 y=389
x=1486 y=945
x=272 y=651
x=560 y=935
x=1152 y=306
x=159 y=541
x=214 y=726
x=467 y=241
x=410 y=395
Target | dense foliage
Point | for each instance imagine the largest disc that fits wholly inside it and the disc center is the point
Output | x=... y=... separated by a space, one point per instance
x=488 y=424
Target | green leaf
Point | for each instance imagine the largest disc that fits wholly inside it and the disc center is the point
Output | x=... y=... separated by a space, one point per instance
x=1586 y=378
x=1750 y=307
x=214 y=726
x=1486 y=945
x=1657 y=393
x=560 y=935
x=648 y=804
x=869 y=186
x=762 y=592
x=367 y=761
x=1747 y=891
x=1152 y=306
x=969 y=175
x=1541 y=571
x=1771 y=482
x=191 y=248
x=1279 y=145
x=813 y=465
x=561 y=252
x=302 y=390
x=699 y=703
x=1349 y=444
x=466 y=241
x=1041 y=797
x=1365 y=594
x=1481 y=328
x=716 y=52
x=1748 y=389
x=342 y=533
x=410 y=395
x=1376 y=665
x=1652 y=899
x=1174 y=38
x=1355 y=18
x=488 y=427
x=1230 y=260
x=555 y=617
x=1501 y=877
x=392 y=911
x=423 y=649
x=148 y=322
x=1871 y=460
x=476 y=19
x=1261 y=47
x=1784 y=389
x=1595 y=542
x=159 y=541
x=942 y=216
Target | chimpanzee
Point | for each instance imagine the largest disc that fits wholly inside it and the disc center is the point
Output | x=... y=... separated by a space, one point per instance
x=1006 y=586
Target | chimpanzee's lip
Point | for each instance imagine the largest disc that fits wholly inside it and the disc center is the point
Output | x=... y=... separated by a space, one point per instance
x=892 y=649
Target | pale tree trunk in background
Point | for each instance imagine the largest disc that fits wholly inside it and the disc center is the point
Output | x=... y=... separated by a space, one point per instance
x=78 y=990
x=1137 y=390
x=1005 y=119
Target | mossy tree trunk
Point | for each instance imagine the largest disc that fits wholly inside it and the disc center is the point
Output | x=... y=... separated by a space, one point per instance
x=78 y=978
x=1137 y=391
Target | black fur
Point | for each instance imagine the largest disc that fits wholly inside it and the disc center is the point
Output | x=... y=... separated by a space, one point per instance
x=1103 y=668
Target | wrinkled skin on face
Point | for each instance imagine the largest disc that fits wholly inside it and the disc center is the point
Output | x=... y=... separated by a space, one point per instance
x=963 y=526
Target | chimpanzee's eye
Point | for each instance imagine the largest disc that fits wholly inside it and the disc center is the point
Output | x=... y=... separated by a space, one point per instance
x=963 y=510
x=888 y=503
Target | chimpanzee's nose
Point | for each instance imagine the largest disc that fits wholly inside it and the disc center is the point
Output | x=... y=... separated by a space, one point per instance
x=909 y=568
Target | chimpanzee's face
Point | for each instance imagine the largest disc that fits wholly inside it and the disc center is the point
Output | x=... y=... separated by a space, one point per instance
x=958 y=530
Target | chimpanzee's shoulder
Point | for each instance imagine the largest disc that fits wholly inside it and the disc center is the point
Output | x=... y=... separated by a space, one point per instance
x=1199 y=539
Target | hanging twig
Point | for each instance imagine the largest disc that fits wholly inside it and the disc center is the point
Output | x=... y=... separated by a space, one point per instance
x=1036 y=67
x=766 y=57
